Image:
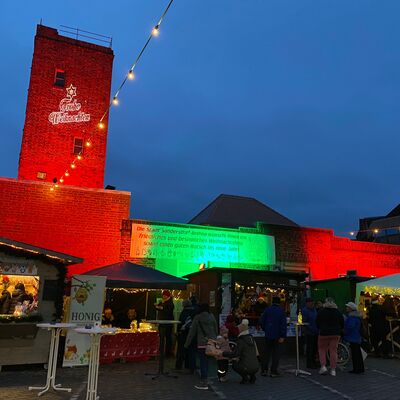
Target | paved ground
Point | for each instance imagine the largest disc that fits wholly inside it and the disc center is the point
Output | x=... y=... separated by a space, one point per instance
x=128 y=381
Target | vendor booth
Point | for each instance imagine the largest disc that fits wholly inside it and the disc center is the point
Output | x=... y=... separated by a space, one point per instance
x=385 y=290
x=247 y=293
x=131 y=286
x=32 y=289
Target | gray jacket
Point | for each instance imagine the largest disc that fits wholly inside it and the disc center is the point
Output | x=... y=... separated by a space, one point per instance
x=204 y=327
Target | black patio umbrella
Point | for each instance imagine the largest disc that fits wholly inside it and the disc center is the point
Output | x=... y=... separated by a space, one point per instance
x=129 y=275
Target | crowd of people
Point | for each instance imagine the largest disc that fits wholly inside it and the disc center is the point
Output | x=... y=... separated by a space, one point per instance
x=323 y=327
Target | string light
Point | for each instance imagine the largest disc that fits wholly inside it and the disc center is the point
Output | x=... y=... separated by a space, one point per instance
x=51 y=188
x=79 y=157
x=130 y=75
x=351 y=233
x=61 y=180
x=376 y=231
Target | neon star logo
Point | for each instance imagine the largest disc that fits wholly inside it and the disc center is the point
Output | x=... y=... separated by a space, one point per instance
x=71 y=91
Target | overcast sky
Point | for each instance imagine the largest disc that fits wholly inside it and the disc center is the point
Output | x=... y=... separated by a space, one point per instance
x=293 y=102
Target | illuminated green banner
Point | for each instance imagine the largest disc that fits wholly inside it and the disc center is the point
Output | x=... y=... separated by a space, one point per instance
x=179 y=249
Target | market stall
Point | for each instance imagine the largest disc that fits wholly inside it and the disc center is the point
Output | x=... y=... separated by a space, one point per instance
x=32 y=289
x=247 y=293
x=385 y=290
x=125 y=280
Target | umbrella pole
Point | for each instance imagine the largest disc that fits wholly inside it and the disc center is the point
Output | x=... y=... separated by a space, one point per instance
x=147 y=302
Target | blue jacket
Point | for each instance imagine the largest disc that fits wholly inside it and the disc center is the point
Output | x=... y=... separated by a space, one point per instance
x=352 y=326
x=310 y=317
x=273 y=322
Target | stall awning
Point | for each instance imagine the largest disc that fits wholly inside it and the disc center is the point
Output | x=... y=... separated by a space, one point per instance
x=389 y=284
x=129 y=275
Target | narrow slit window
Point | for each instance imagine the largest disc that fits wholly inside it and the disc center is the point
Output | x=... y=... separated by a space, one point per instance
x=78 y=146
x=59 y=80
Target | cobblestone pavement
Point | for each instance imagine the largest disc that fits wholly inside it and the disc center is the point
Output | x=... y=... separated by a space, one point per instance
x=127 y=381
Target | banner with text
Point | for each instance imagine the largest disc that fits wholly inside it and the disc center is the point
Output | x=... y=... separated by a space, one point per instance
x=86 y=306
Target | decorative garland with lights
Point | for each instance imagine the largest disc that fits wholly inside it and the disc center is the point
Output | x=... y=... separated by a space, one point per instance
x=115 y=100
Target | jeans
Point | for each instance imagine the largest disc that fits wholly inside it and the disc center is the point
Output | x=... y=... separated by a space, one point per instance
x=272 y=350
x=356 y=357
x=203 y=363
x=311 y=350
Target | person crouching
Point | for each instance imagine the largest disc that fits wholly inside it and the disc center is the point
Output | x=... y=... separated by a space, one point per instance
x=246 y=353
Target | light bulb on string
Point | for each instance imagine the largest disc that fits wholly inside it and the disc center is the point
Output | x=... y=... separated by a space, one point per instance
x=79 y=157
x=88 y=144
x=73 y=165
x=155 y=31
x=56 y=185
x=131 y=75
x=115 y=101
x=61 y=180
x=52 y=189
x=101 y=125
x=351 y=233
x=66 y=173
x=376 y=231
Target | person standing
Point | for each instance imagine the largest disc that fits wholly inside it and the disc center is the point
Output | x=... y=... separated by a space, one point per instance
x=330 y=324
x=204 y=327
x=273 y=323
x=352 y=328
x=166 y=312
x=379 y=329
x=311 y=331
x=185 y=356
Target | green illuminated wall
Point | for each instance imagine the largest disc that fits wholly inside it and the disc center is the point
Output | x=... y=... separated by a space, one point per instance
x=179 y=249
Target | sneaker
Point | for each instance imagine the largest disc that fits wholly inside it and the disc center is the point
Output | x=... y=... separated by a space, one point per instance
x=264 y=373
x=223 y=379
x=202 y=386
x=323 y=370
x=333 y=372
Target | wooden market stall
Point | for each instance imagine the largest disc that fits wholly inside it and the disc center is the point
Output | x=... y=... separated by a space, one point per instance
x=32 y=289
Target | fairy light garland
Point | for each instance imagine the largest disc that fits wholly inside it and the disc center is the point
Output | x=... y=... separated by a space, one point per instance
x=114 y=100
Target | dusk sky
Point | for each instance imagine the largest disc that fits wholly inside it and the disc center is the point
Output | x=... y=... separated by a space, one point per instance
x=293 y=102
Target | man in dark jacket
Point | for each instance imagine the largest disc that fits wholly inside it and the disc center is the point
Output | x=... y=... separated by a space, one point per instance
x=166 y=312
x=379 y=329
x=182 y=354
x=309 y=317
x=246 y=352
x=273 y=323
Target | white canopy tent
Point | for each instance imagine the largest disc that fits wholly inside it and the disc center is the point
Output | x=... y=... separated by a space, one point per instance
x=389 y=285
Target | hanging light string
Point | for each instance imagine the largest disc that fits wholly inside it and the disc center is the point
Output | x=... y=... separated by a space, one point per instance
x=114 y=101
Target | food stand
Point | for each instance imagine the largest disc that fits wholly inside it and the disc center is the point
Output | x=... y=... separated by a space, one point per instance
x=238 y=289
x=141 y=341
x=387 y=291
x=32 y=288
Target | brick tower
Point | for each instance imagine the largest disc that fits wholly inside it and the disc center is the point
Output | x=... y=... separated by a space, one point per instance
x=69 y=91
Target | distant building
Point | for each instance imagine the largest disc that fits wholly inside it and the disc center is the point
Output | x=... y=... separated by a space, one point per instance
x=382 y=229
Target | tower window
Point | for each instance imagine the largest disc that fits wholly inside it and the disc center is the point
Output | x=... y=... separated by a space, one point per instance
x=78 y=146
x=59 y=80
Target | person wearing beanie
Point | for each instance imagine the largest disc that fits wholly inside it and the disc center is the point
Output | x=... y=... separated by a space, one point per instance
x=246 y=354
x=273 y=323
x=260 y=305
x=165 y=310
x=183 y=355
x=330 y=325
x=352 y=328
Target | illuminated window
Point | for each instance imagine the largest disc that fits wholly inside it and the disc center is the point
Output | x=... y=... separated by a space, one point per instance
x=59 y=79
x=78 y=146
x=41 y=175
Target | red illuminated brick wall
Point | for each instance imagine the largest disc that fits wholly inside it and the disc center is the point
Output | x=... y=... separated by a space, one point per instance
x=81 y=222
x=48 y=147
x=324 y=255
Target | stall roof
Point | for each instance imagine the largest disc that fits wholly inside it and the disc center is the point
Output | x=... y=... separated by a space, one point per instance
x=129 y=275
x=33 y=251
x=389 y=284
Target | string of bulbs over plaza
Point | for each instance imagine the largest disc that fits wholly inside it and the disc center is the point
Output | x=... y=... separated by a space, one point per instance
x=114 y=102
